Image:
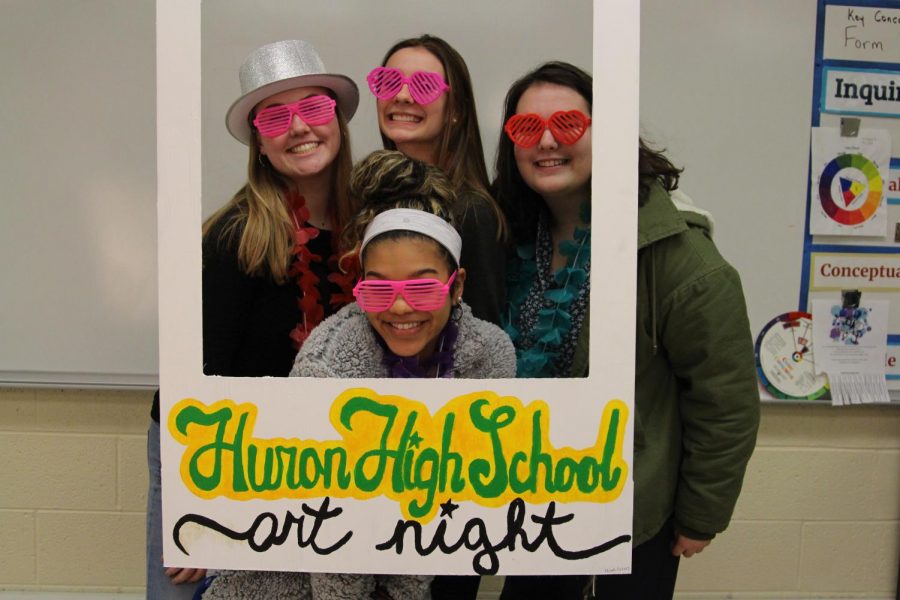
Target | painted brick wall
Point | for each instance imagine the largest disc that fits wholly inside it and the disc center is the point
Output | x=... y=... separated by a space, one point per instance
x=820 y=512
x=819 y=517
x=73 y=481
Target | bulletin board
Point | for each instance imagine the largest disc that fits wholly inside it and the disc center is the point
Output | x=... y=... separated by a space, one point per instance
x=852 y=236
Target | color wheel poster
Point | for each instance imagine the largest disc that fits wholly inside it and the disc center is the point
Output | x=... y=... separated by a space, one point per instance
x=848 y=180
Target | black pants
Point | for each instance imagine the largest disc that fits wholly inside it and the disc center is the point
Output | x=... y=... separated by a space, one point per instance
x=544 y=587
x=455 y=587
x=653 y=574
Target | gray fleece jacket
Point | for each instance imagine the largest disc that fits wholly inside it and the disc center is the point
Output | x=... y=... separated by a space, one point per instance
x=344 y=345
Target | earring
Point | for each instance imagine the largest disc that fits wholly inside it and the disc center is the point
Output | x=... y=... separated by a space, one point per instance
x=262 y=162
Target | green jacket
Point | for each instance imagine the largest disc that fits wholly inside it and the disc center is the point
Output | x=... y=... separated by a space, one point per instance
x=696 y=394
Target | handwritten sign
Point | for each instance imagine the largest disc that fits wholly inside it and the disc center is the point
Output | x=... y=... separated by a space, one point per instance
x=501 y=476
x=478 y=448
x=861 y=33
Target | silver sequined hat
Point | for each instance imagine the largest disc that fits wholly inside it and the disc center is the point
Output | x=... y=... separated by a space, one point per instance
x=282 y=66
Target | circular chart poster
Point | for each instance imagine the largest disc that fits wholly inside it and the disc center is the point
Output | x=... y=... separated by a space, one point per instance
x=848 y=178
x=784 y=358
x=850 y=189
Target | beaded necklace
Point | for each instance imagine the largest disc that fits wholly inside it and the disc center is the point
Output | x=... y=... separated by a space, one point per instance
x=310 y=300
x=539 y=348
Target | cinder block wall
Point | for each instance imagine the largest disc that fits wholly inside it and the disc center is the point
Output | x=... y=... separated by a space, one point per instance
x=73 y=489
x=819 y=517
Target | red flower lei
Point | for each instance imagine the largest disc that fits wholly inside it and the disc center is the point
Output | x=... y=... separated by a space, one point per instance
x=310 y=300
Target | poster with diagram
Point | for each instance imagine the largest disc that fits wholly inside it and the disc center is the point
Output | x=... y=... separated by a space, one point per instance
x=847 y=182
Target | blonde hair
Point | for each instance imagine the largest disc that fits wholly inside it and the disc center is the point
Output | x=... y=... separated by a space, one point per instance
x=388 y=179
x=258 y=214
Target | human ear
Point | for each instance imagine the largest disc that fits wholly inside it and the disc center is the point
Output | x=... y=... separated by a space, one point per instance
x=458 y=284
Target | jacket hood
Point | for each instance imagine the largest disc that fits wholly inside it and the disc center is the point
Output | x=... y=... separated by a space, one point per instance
x=664 y=215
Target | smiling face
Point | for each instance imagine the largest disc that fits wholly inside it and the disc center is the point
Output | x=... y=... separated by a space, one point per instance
x=554 y=170
x=409 y=332
x=302 y=153
x=414 y=128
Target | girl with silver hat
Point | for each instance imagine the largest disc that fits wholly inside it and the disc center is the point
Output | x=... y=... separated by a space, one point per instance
x=270 y=261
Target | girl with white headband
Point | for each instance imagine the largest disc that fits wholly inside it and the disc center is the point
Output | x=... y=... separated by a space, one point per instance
x=409 y=319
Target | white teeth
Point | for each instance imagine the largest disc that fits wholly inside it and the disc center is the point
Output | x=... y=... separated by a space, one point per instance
x=551 y=163
x=304 y=148
x=410 y=325
x=406 y=118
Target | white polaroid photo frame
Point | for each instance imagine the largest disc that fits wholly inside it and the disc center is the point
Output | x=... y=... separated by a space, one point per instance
x=350 y=529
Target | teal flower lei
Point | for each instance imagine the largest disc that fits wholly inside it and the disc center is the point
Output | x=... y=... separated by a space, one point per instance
x=554 y=323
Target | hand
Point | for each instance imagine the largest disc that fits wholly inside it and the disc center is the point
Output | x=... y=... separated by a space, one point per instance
x=181 y=575
x=686 y=547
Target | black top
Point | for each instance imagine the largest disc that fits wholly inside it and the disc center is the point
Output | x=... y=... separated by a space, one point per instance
x=483 y=258
x=247 y=320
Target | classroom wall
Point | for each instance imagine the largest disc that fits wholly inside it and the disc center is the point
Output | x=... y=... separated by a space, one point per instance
x=819 y=516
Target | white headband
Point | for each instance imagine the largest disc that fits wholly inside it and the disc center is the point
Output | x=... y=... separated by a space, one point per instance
x=410 y=219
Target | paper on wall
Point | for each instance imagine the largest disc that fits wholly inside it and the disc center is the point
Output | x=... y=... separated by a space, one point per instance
x=851 y=343
x=848 y=177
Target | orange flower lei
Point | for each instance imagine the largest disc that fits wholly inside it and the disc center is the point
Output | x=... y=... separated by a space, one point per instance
x=310 y=300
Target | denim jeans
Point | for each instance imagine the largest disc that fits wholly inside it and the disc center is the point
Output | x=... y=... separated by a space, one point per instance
x=159 y=586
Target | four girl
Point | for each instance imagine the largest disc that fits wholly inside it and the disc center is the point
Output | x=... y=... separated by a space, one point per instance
x=418 y=274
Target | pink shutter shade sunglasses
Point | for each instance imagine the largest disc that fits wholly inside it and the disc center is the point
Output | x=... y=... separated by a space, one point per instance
x=424 y=86
x=276 y=120
x=377 y=295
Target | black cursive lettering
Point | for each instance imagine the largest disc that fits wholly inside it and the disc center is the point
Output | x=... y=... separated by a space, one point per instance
x=264 y=532
x=474 y=536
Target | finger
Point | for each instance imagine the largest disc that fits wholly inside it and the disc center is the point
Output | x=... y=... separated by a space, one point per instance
x=199 y=575
x=183 y=576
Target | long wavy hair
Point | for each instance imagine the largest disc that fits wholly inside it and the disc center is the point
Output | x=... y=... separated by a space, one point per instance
x=388 y=179
x=459 y=150
x=520 y=203
x=259 y=215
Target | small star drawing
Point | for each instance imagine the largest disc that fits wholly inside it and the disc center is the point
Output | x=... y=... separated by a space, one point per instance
x=448 y=507
x=415 y=439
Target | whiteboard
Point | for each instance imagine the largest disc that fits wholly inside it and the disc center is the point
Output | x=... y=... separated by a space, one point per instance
x=78 y=218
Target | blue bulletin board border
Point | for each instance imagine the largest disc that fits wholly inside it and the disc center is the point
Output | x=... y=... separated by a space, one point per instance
x=821 y=66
